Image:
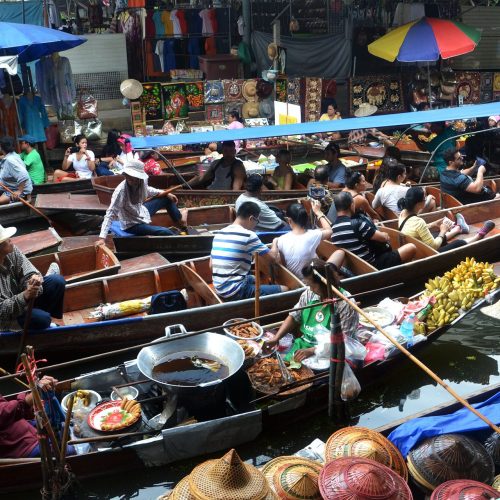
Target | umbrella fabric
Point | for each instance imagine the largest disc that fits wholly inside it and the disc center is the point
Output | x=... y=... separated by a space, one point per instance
x=9 y=63
x=31 y=42
x=426 y=40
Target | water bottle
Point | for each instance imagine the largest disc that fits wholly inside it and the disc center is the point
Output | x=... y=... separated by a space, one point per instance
x=407 y=329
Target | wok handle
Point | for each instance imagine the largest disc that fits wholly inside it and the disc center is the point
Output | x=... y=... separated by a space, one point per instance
x=170 y=331
x=208 y=384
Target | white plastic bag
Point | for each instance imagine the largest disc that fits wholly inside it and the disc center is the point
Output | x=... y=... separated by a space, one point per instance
x=350 y=385
x=354 y=349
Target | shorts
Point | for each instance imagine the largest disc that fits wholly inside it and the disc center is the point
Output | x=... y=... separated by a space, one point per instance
x=9 y=195
x=72 y=175
x=387 y=259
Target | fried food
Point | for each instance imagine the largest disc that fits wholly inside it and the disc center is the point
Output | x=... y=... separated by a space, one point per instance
x=245 y=331
x=83 y=396
x=247 y=348
x=128 y=413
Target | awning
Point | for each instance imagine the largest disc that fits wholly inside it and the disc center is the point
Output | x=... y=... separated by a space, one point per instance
x=376 y=121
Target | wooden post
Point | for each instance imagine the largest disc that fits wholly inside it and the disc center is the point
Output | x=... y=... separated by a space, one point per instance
x=27 y=320
x=257 y=286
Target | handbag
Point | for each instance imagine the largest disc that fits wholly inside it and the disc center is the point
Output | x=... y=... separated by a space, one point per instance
x=93 y=129
x=86 y=107
x=69 y=128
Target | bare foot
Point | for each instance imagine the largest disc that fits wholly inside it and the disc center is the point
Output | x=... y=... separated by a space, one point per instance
x=184 y=216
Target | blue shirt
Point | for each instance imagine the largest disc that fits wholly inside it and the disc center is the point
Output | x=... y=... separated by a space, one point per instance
x=232 y=251
x=336 y=173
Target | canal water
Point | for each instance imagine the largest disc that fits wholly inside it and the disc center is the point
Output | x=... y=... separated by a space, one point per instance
x=467 y=357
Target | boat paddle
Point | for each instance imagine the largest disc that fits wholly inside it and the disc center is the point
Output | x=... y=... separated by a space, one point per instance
x=257 y=286
x=28 y=204
x=163 y=193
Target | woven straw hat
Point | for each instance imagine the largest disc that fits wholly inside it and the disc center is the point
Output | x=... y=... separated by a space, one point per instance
x=249 y=90
x=461 y=489
x=365 y=443
x=227 y=478
x=250 y=110
x=272 y=467
x=496 y=483
x=181 y=491
x=297 y=482
x=449 y=456
x=492 y=445
x=361 y=478
x=492 y=311
x=365 y=109
x=131 y=89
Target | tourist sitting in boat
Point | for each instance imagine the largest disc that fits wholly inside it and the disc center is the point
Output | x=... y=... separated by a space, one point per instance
x=20 y=283
x=15 y=181
x=283 y=176
x=32 y=159
x=232 y=251
x=320 y=177
x=297 y=248
x=413 y=225
x=456 y=181
x=332 y=113
x=306 y=322
x=134 y=203
x=235 y=123
x=383 y=171
x=359 y=235
x=109 y=152
x=18 y=437
x=268 y=218
x=336 y=169
x=151 y=164
x=78 y=157
x=356 y=185
x=226 y=173
x=394 y=188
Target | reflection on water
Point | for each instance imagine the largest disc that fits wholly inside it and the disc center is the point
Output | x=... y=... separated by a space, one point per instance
x=467 y=357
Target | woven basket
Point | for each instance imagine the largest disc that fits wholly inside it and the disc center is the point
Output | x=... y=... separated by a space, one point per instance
x=463 y=490
x=181 y=491
x=448 y=457
x=297 y=482
x=365 y=443
x=227 y=478
x=361 y=478
x=496 y=483
x=492 y=445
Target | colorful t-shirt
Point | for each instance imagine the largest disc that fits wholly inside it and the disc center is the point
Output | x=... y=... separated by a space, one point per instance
x=34 y=165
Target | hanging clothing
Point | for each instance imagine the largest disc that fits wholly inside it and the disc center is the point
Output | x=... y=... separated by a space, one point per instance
x=33 y=116
x=95 y=15
x=160 y=44
x=150 y=24
x=176 y=25
x=168 y=26
x=181 y=16
x=169 y=55
x=210 y=46
x=159 y=26
x=8 y=118
x=209 y=19
x=194 y=51
x=54 y=15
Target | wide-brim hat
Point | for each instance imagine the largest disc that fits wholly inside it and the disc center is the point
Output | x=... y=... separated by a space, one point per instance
x=365 y=109
x=249 y=90
x=131 y=89
x=266 y=109
x=272 y=51
x=364 y=443
x=361 y=478
x=460 y=489
x=272 y=467
x=135 y=168
x=250 y=110
x=228 y=478
x=297 y=482
x=6 y=233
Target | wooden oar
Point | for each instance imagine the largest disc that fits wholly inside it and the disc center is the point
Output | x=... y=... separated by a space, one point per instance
x=257 y=286
x=27 y=320
x=28 y=204
x=19 y=381
x=163 y=193
x=415 y=360
x=65 y=436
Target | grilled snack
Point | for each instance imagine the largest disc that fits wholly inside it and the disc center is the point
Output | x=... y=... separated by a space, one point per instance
x=247 y=348
x=246 y=331
x=128 y=413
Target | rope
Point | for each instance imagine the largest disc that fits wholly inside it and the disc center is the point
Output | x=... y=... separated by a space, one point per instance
x=32 y=361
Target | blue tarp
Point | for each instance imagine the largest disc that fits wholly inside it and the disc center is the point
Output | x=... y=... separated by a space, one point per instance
x=407 y=435
x=12 y=12
x=395 y=120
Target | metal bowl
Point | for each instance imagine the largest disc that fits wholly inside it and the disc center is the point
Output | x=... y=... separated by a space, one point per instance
x=95 y=398
x=129 y=392
x=229 y=333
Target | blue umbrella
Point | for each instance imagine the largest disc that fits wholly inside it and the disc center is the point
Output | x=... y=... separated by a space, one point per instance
x=30 y=42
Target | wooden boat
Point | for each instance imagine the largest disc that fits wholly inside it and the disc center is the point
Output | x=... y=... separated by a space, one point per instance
x=62 y=187
x=90 y=262
x=240 y=422
x=37 y=243
x=205 y=308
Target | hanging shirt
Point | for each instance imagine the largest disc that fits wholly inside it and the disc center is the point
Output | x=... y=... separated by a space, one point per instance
x=159 y=52
x=81 y=165
x=176 y=25
x=34 y=165
x=13 y=173
x=159 y=27
x=166 y=19
x=8 y=118
x=33 y=116
x=150 y=24
x=207 y=27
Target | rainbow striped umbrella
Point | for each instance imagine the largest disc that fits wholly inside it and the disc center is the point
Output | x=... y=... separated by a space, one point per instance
x=426 y=40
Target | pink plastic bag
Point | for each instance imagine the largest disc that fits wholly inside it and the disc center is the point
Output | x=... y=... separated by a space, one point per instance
x=374 y=352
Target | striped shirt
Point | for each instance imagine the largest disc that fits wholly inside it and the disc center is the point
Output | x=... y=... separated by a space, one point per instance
x=232 y=251
x=344 y=236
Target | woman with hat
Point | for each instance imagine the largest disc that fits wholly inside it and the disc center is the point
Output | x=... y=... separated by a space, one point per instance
x=32 y=159
x=13 y=174
x=305 y=322
x=130 y=207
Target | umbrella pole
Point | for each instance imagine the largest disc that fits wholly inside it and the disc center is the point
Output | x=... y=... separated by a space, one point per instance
x=429 y=84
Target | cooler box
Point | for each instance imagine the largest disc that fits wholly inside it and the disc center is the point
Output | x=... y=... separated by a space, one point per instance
x=220 y=66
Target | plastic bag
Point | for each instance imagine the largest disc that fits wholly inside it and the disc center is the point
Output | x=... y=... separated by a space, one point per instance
x=350 y=386
x=375 y=352
x=93 y=130
x=354 y=350
x=86 y=107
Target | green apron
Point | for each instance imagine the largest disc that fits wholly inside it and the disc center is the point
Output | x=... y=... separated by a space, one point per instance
x=310 y=319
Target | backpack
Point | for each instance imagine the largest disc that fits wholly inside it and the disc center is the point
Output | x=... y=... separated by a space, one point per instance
x=165 y=302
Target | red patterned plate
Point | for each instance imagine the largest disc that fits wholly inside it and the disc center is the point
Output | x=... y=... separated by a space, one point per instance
x=110 y=413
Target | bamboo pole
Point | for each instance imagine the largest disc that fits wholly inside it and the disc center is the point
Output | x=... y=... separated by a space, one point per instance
x=257 y=286
x=65 y=436
x=27 y=320
x=165 y=192
x=19 y=381
x=415 y=360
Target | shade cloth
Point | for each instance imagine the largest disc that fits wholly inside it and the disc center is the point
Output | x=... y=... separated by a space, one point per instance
x=407 y=435
x=393 y=120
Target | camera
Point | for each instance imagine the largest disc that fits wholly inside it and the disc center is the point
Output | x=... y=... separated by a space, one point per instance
x=74 y=149
x=317 y=192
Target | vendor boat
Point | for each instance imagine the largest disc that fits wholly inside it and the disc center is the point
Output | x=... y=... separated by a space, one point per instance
x=223 y=423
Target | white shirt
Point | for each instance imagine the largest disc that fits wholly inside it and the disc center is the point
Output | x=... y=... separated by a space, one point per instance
x=298 y=250
x=81 y=166
x=159 y=52
x=129 y=214
x=388 y=196
x=124 y=157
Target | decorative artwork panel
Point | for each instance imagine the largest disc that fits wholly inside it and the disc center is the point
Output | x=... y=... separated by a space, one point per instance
x=383 y=91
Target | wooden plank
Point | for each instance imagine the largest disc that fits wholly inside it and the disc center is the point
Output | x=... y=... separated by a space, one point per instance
x=37 y=242
x=149 y=261
x=85 y=203
x=71 y=242
x=200 y=287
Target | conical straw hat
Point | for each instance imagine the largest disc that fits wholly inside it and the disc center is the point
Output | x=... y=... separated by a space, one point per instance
x=365 y=443
x=181 y=491
x=463 y=489
x=227 y=478
x=297 y=482
x=496 y=483
x=274 y=465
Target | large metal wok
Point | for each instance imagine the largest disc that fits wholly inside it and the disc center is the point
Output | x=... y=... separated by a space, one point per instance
x=226 y=350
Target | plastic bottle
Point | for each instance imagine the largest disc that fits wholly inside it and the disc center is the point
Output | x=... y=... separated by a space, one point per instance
x=407 y=329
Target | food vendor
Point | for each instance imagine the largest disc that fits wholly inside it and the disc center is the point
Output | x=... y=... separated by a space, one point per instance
x=305 y=322
x=18 y=438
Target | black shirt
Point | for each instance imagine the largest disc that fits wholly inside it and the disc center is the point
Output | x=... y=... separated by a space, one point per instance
x=455 y=183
